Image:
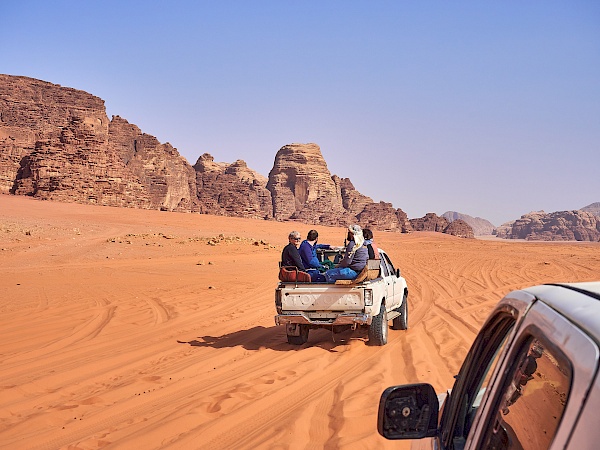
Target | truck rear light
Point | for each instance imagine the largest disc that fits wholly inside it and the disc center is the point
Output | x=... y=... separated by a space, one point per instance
x=368 y=297
x=278 y=301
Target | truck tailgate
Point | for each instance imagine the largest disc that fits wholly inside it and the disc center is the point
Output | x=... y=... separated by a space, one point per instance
x=323 y=299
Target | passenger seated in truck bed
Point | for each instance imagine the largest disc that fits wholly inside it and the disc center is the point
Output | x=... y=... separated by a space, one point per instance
x=354 y=260
x=290 y=255
x=308 y=253
x=370 y=244
x=291 y=267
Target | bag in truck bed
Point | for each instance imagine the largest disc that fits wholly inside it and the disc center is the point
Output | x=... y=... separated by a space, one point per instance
x=291 y=273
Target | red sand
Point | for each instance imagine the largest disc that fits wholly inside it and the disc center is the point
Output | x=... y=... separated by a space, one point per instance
x=124 y=328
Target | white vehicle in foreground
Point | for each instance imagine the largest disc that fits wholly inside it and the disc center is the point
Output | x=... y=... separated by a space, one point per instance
x=530 y=381
x=377 y=295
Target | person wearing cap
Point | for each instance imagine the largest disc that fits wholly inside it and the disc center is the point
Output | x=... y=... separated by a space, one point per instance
x=354 y=260
x=290 y=255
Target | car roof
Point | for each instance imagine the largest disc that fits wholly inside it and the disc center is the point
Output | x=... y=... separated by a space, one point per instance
x=578 y=302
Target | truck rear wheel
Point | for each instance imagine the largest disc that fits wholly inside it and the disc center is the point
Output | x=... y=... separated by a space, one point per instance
x=378 y=331
x=401 y=322
x=299 y=339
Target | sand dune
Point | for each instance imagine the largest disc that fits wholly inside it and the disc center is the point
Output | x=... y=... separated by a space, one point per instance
x=124 y=328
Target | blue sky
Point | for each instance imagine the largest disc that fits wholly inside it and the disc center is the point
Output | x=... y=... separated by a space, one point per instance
x=491 y=109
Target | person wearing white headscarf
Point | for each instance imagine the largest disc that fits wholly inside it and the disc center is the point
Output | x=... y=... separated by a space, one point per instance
x=355 y=257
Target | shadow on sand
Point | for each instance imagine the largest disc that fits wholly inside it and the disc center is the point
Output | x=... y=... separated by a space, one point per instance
x=274 y=338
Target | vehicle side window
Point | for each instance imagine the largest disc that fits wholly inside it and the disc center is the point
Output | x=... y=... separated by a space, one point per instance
x=473 y=379
x=385 y=271
x=534 y=400
x=389 y=263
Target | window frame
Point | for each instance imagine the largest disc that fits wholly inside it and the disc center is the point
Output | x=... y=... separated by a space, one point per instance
x=389 y=264
x=490 y=345
x=385 y=270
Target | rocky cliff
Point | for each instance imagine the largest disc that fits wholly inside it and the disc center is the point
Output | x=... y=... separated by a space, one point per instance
x=382 y=216
x=481 y=227
x=166 y=176
x=460 y=228
x=231 y=189
x=57 y=143
x=429 y=222
x=352 y=201
x=433 y=222
x=573 y=225
x=303 y=189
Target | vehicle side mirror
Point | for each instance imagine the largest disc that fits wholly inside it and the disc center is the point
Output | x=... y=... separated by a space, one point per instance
x=409 y=411
x=397 y=273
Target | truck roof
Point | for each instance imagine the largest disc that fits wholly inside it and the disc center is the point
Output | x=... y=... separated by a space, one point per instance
x=578 y=302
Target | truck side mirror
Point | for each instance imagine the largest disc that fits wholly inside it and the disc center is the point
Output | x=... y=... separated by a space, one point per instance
x=397 y=273
x=409 y=411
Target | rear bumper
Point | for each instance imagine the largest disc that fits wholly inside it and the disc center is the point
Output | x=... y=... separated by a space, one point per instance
x=341 y=319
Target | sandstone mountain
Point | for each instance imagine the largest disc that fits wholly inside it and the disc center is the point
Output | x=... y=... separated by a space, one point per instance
x=303 y=189
x=429 y=222
x=383 y=216
x=481 y=227
x=57 y=143
x=593 y=208
x=231 y=189
x=557 y=226
x=460 y=228
x=433 y=222
x=353 y=201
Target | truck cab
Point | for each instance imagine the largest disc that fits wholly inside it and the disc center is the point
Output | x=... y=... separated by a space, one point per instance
x=530 y=380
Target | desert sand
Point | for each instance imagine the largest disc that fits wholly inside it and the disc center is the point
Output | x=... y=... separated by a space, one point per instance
x=124 y=328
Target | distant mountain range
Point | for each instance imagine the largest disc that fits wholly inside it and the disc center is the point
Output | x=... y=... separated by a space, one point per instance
x=57 y=143
x=594 y=208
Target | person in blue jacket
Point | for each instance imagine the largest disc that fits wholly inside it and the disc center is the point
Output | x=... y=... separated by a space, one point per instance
x=308 y=253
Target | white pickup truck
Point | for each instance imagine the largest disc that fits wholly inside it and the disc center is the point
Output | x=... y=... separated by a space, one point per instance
x=370 y=303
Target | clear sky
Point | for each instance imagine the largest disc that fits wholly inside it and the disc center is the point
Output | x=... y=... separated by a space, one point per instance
x=488 y=108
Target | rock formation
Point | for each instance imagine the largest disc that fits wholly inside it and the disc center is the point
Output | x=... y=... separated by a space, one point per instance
x=429 y=222
x=382 y=216
x=433 y=222
x=460 y=228
x=166 y=176
x=504 y=230
x=231 y=189
x=57 y=143
x=303 y=189
x=352 y=201
x=481 y=227
x=75 y=167
x=557 y=226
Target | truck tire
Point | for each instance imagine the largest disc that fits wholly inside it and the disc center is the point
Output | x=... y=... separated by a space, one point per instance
x=378 y=331
x=401 y=322
x=301 y=339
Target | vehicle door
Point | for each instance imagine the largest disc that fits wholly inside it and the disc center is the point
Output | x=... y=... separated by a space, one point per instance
x=544 y=381
x=394 y=297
